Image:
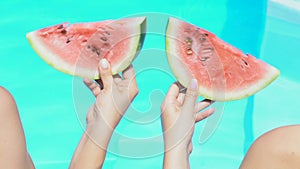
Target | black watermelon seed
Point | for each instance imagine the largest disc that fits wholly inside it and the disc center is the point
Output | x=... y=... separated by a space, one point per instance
x=95 y=50
x=60 y=27
x=105 y=46
x=202 y=39
x=68 y=40
x=245 y=62
x=63 y=31
x=203 y=59
x=103 y=38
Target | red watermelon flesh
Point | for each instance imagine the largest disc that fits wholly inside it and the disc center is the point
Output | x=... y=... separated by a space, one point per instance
x=223 y=72
x=76 y=49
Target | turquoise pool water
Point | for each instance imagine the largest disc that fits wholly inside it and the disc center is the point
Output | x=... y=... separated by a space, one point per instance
x=52 y=105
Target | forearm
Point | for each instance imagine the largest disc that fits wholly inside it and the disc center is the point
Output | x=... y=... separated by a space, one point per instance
x=176 y=158
x=91 y=151
x=82 y=156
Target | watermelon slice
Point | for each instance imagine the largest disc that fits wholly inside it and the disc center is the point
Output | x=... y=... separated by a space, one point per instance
x=223 y=72
x=76 y=49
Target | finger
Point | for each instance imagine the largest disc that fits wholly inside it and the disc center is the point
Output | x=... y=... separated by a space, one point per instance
x=182 y=89
x=203 y=104
x=203 y=115
x=171 y=95
x=180 y=98
x=96 y=91
x=191 y=96
x=129 y=73
x=190 y=149
x=92 y=86
x=87 y=81
x=117 y=78
x=105 y=74
x=100 y=83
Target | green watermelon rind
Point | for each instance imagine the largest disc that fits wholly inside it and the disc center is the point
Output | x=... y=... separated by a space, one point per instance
x=184 y=75
x=62 y=66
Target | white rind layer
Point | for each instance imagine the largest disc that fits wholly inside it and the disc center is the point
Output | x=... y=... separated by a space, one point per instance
x=183 y=74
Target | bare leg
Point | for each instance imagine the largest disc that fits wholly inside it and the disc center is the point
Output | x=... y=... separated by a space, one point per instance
x=13 y=151
x=277 y=149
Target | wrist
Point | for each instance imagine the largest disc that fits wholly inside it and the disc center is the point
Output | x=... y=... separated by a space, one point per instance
x=103 y=118
x=175 y=144
x=100 y=133
x=181 y=149
x=177 y=157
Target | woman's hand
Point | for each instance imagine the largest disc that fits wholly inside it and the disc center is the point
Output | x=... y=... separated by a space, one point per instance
x=113 y=99
x=180 y=112
x=113 y=96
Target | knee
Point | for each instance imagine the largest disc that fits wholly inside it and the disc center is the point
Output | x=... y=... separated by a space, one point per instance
x=7 y=101
x=281 y=141
x=278 y=147
x=5 y=95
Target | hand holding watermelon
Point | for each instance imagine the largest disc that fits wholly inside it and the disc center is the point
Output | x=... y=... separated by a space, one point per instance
x=180 y=112
x=113 y=100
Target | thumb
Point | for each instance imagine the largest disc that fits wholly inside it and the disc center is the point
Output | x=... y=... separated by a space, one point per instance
x=191 y=96
x=105 y=73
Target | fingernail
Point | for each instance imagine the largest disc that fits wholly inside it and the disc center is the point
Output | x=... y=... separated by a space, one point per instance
x=104 y=64
x=193 y=84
